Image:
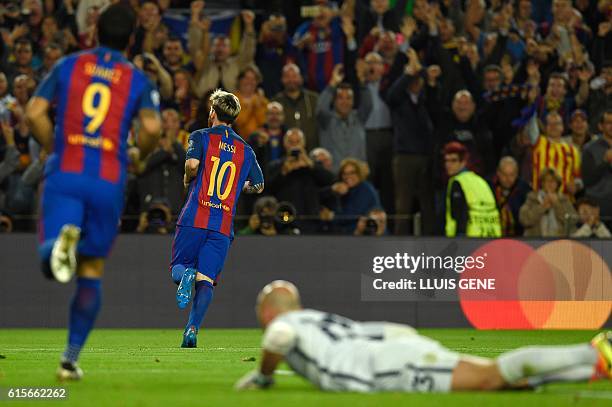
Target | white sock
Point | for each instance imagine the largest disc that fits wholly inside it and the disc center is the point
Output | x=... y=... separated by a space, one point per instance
x=572 y=374
x=541 y=360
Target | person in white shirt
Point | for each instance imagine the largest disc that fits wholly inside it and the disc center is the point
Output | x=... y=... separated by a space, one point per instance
x=338 y=354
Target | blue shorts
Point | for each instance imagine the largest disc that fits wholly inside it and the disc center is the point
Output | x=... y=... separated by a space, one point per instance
x=202 y=249
x=91 y=204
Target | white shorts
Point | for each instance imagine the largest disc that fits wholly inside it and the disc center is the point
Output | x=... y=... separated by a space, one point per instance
x=413 y=363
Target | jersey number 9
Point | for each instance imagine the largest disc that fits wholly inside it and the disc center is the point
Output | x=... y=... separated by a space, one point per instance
x=96 y=112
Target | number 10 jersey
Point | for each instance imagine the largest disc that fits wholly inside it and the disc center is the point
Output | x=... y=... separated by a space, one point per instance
x=226 y=162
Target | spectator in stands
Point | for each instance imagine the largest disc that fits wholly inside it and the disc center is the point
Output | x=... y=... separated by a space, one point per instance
x=354 y=195
x=379 y=132
x=10 y=160
x=171 y=126
x=323 y=157
x=33 y=20
x=550 y=151
x=600 y=93
x=410 y=100
x=88 y=12
x=579 y=134
x=174 y=57
x=492 y=78
x=462 y=124
x=52 y=34
x=510 y=193
x=252 y=101
x=393 y=59
x=317 y=41
x=297 y=179
x=555 y=99
x=84 y=8
x=548 y=212
x=52 y=53
x=149 y=21
x=4 y=88
x=341 y=129
x=592 y=226
x=373 y=224
x=157 y=218
x=523 y=20
x=23 y=64
x=443 y=50
x=156 y=73
x=381 y=17
x=500 y=105
x=471 y=209
x=198 y=36
x=299 y=104
x=597 y=166
x=23 y=88
x=274 y=51
x=261 y=222
x=185 y=100
x=267 y=141
x=222 y=70
x=163 y=170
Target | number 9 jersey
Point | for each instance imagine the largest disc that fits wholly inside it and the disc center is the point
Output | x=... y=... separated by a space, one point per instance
x=96 y=95
x=226 y=162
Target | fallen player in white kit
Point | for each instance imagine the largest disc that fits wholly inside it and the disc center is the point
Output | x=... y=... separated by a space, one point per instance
x=338 y=354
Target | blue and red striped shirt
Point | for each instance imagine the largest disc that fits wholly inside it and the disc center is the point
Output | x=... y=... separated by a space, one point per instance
x=327 y=50
x=97 y=94
x=226 y=162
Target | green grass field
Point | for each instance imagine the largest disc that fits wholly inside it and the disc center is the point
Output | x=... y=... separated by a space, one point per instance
x=147 y=368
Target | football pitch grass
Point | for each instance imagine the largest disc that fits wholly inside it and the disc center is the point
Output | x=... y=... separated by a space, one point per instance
x=148 y=368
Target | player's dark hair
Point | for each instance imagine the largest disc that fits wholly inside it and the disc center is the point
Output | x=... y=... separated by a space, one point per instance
x=115 y=27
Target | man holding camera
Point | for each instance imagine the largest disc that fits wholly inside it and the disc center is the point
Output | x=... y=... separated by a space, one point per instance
x=374 y=224
x=296 y=179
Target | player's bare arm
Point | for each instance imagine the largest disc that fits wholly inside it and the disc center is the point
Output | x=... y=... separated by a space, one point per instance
x=191 y=170
x=150 y=130
x=39 y=122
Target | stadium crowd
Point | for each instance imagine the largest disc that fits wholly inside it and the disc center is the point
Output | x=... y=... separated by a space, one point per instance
x=365 y=115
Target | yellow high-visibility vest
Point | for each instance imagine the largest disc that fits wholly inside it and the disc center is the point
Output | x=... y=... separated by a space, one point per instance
x=483 y=216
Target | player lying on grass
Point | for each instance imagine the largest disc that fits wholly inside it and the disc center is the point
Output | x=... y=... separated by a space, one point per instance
x=219 y=165
x=96 y=94
x=338 y=354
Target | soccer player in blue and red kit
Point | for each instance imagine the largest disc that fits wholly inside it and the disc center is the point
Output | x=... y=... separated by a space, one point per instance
x=96 y=94
x=219 y=165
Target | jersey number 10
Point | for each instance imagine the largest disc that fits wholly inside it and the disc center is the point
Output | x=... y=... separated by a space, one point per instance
x=216 y=178
x=96 y=112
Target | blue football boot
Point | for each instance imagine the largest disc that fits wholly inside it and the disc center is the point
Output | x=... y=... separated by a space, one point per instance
x=183 y=293
x=190 y=338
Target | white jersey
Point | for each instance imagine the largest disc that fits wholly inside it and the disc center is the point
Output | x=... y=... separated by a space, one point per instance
x=339 y=354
